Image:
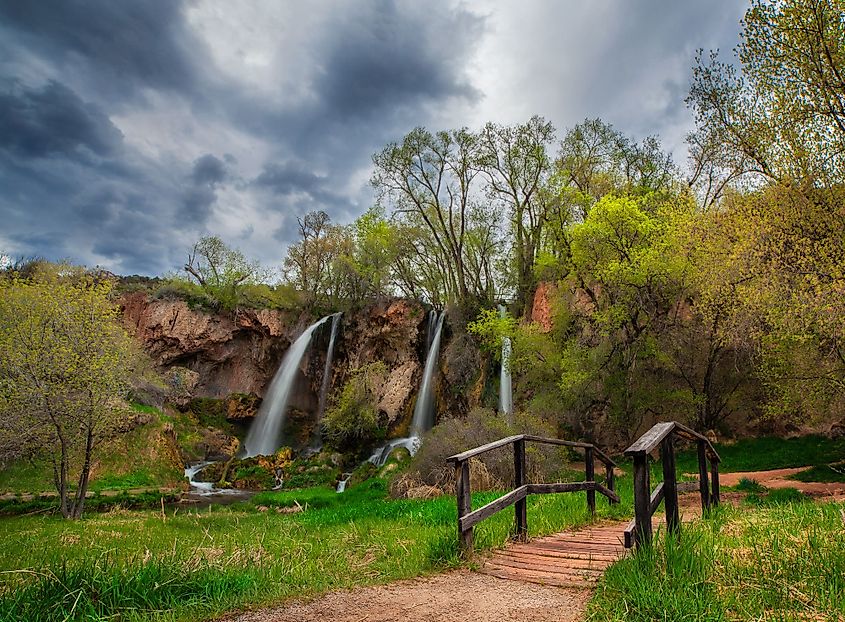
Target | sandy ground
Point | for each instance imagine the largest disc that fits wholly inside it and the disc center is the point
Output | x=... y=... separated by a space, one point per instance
x=459 y=596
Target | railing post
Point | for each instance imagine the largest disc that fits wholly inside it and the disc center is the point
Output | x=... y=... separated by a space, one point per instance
x=670 y=485
x=703 y=483
x=590 y=469
x=642 y=498
x=714 y=473
x=610 y=480
x=521 y=506
x=464 y=504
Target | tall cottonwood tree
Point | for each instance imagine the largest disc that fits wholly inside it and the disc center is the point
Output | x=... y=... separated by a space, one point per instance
x=65 y=364
x=431 y=178
x=515 y=162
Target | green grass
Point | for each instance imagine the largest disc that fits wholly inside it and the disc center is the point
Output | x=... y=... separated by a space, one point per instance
x=825 y=473
x=781 y=561
x=196 y=564
x=764 y=454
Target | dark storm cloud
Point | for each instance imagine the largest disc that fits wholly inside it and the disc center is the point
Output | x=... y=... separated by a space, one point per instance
x=53 y=120
x=117 y=119
x=384 y=59
x=117 y=45
x=208 y=170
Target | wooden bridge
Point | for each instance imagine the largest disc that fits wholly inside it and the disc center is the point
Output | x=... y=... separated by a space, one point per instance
x=579 y=557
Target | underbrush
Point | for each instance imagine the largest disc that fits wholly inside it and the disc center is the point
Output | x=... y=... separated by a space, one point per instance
x=783 y=560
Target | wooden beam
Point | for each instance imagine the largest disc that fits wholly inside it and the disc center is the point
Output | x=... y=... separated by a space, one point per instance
x=484 y=448
x=655 y=499
x=590 y=471
x=670 y=485
x=542 y=489
x=607 y=492
x=520 y=506
x=703 y=483
x=464 y=506
x=651 y=439
x=467 y=521
x=642 y=499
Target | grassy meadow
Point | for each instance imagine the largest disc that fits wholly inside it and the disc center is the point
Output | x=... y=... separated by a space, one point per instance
x=193 y=564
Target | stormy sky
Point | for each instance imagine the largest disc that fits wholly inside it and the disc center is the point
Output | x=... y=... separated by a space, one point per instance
x=130 y=129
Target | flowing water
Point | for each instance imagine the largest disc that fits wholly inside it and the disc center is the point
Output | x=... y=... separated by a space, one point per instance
x=341 y=485
x=264 y=435
x=505 y=384
x=423 y=419
x=327 y=369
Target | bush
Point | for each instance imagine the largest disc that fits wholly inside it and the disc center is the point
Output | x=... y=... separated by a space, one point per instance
x=481 y=426
x=353 y=422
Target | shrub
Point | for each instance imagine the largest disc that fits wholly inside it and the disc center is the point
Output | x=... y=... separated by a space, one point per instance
x=482 y=426
x=353 y=420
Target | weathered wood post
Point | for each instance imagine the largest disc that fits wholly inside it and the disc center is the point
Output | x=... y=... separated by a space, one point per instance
x=464 y=504
x=670 y=485
x=703 y=482
x=521 y=506
x=610 y=479
x=590 y=469
x=714 y=474
x=642 y=500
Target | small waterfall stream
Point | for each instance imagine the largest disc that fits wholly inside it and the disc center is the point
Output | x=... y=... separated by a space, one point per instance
x=264 y=434
x=327 y=369
x=424 y=414
x=505 y=384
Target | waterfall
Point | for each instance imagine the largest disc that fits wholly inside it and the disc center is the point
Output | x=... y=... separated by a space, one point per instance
x=327 y=370
x=264 y=433
x=423 y=419
x=505 y=385
x=341 y=485
x=429 y=333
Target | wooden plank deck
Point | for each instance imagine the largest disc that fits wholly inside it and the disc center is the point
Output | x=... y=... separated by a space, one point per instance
x=568 y=559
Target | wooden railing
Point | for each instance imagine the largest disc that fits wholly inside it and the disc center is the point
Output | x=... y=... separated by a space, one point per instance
x=646 y=502
x=468 y=518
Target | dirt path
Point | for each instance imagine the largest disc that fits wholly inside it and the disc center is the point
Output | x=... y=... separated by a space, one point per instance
x=459 y=596
x=778 y=478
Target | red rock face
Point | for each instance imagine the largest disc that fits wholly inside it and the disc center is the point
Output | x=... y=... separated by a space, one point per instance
x=240 y=352
x=231 y=354
x=541 y=310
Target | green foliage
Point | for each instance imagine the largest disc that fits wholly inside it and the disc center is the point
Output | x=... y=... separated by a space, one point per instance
x=65 y=364
x=222 y=272
x=352 y=422
x=827 y=473
x=491 y=327
x=739 y=565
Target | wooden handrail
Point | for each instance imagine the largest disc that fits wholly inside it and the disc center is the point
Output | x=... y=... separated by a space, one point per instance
x=649 y=441
x=471 y=453
x=646 y=502
x=468 y=518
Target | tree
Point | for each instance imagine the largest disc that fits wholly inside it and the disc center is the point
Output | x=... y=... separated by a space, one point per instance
x=429 y=178
x=221 y=271
x=65 y=363
x=515 y=162
x=782 y=115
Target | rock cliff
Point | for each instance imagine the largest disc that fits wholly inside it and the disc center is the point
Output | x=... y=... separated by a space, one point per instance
x=215 y=355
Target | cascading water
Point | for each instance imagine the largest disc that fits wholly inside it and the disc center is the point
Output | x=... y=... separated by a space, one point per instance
x=341 y=485
x=327 y=369
x=505 y=384
x=429 y=334
x=423 y=419
x=264 y=433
